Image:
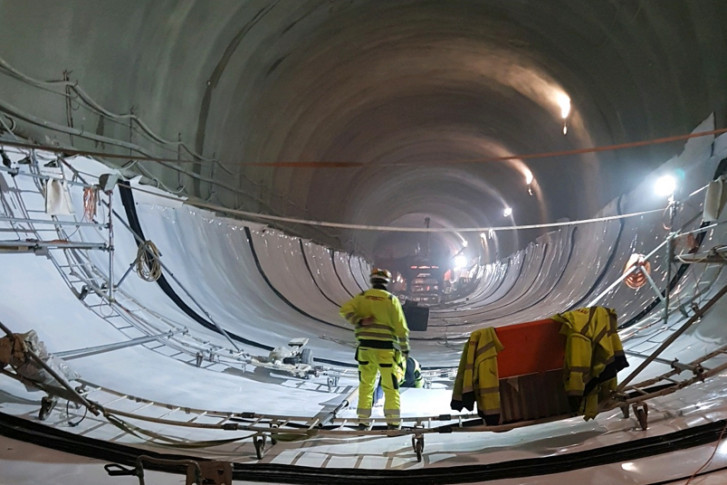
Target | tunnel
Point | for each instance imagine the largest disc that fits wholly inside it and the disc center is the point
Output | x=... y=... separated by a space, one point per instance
x=192 y=189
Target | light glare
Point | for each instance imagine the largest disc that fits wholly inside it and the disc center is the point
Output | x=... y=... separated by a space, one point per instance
x=507 y=212
x=564 y=103
x=460 y=262
x=528 y=177
x=665 y=186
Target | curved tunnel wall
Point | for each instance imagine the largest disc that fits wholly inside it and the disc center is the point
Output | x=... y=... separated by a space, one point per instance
x=263 y=285
x=212 y=257
x=422 y=88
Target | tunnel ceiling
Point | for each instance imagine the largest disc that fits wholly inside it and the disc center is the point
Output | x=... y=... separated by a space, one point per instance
x=370 y=112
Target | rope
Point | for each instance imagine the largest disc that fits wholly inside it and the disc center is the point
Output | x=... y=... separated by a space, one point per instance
x=147 y=262
x=163 y=440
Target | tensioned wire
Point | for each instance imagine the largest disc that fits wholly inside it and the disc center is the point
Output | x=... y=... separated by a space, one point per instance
x=364 y=227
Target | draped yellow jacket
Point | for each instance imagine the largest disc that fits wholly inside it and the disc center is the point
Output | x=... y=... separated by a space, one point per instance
x=477 y=376
x=593 y=355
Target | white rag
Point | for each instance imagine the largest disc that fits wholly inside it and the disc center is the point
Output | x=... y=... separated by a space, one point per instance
x=57 y=199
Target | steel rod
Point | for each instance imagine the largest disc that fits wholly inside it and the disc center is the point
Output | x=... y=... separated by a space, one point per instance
x=111 y=247
x=54 y=222
x=85 y=352
x=669 y=246
x=624 y=276
x=674 y=363
x=53 y=244
x=673 y=337
x=652 y=283
x=62 y=381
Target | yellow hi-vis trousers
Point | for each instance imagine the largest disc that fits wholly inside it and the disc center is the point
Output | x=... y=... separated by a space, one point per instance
x=370 y=363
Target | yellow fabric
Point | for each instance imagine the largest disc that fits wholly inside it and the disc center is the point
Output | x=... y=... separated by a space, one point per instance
x=477 y=375
x=388 y=321
x=400 y=367
x=592 y=343
x=370 y=363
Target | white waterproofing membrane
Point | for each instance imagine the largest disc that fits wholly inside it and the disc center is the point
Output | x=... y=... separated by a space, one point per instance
x=253 y=288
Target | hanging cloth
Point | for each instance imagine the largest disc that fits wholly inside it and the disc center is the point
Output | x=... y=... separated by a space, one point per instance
x=477 y=378
x=57 y=199
x=593 y=356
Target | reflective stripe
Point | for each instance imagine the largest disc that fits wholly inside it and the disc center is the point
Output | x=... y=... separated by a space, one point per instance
x=363 y=413
x=484 y=349
x=579 y=369
x=374 y=335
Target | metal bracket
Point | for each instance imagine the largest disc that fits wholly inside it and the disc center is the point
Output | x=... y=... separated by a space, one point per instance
x=641 y=411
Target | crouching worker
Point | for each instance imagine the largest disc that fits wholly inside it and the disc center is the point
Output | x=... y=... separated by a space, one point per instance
x=381 y=331
x=410 y=375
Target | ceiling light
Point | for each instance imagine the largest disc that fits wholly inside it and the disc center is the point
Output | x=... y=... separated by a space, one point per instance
x=507 y=212
x=460 y=261
x=564 y=103
x=528 y=177
x=665 y=186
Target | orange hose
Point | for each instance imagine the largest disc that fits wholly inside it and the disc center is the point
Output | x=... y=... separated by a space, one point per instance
x=637 y=278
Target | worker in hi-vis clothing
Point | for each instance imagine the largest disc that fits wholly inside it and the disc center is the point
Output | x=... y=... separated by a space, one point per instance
x=381 y=331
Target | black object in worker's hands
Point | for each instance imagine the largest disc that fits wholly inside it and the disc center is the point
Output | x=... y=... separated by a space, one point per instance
x=417 y=317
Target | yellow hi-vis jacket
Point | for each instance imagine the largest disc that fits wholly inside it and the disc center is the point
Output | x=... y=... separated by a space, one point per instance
x=477 y=376
x=593 y=355
x=389 y=328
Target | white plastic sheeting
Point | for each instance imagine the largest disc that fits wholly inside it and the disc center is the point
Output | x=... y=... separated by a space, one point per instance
x=215 y=272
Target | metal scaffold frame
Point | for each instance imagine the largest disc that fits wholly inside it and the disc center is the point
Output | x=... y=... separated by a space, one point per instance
x=89 y=282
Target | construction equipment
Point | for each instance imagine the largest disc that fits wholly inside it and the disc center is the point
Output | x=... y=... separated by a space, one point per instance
x=293 y=359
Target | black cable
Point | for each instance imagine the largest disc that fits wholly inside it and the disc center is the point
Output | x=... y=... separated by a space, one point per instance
x=127 y=198
x=29 y=431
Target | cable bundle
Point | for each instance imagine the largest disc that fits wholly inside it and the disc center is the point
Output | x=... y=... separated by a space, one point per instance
x=147 y=262
x=637 y=278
